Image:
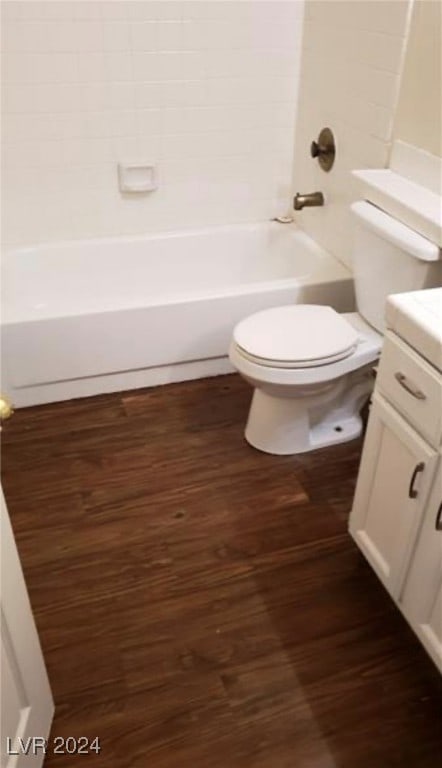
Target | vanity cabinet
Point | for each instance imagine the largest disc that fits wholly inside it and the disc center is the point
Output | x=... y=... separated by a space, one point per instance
x=396 y=519
x=421 y=600
x=396 y=473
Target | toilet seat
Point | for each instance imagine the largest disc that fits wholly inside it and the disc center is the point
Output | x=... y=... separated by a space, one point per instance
x=292 y=365
x=296 y=336
x=366 y=352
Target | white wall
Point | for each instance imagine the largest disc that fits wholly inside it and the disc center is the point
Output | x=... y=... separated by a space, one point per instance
x=205 y=89
x=419 y=114
x=352 y=55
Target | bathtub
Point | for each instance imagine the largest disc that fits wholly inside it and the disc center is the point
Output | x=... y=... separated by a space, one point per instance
x=86 y=317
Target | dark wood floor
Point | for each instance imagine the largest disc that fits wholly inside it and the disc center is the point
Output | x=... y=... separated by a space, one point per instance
x=200 y=604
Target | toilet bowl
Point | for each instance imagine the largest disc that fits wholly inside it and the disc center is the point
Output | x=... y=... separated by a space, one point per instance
x=311 y=367
x=312 y=371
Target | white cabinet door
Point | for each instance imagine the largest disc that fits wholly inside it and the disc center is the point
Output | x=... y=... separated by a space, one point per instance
x=26 y=700
x=395 y=476
x=421 y=600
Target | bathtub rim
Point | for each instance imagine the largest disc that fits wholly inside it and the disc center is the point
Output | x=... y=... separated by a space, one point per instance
x=272 y=224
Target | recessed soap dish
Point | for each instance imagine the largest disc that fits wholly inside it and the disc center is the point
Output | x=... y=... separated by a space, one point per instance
x=137 y=177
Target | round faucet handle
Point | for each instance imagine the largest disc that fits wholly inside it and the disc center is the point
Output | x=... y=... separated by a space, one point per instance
x=320 y=150
x=324 y=149
x=315 y=150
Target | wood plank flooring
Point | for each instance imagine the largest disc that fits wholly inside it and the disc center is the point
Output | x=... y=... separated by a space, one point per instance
x=200 y=604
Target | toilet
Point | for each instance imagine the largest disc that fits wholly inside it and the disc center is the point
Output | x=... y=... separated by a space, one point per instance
x=311 y=367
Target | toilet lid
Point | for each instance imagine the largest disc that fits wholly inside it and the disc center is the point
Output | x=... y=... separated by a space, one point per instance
x=296 y=336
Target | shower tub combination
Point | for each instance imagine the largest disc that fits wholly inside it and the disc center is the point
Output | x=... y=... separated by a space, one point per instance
x=93 y=316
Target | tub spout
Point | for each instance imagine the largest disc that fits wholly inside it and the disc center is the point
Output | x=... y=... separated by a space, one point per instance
x=307 y=201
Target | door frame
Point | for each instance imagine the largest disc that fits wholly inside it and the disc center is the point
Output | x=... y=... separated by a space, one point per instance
x=20 y=639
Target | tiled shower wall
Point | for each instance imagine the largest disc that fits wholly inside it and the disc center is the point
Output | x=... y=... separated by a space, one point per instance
x=352 y=53
x=206 y=90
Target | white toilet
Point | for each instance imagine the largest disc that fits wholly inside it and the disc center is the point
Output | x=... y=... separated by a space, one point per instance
x=311 y=367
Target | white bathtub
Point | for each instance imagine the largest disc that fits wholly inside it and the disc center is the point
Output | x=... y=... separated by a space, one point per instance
x=94 y=316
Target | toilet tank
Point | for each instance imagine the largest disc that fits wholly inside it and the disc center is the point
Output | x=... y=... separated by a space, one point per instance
x=389 y=257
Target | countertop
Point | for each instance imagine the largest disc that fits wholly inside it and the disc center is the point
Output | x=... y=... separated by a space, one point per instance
x=417 y=318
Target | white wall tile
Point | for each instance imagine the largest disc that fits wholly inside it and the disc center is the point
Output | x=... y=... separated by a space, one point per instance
x=116 y=36
x=118 y=66
x=205 y=89
x=351 y=60
x=115 y=11
x=91 y=67
x=144 y=36
x=150 y=94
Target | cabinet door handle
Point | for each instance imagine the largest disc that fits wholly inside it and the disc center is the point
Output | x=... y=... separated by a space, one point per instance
x=409 y=386
x=412 y=493
x=439 y=518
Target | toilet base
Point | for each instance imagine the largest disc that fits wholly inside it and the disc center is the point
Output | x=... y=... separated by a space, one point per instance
x=289 y=425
